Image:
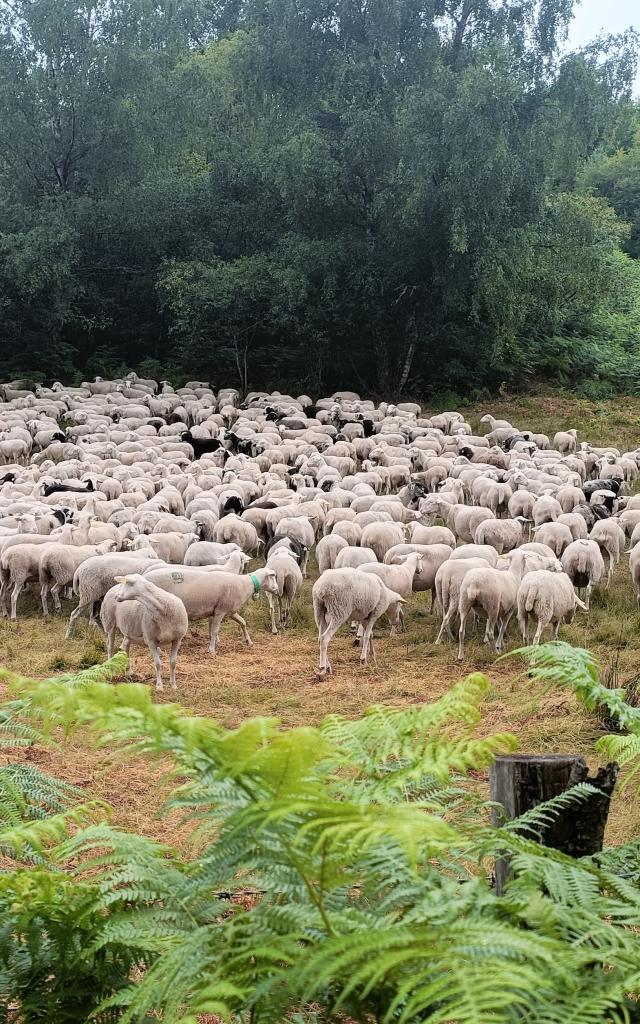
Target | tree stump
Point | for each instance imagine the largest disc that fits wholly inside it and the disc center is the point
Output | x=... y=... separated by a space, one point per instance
x=522 y=781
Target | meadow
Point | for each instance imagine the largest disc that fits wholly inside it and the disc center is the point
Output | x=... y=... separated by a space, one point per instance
x=277 y=676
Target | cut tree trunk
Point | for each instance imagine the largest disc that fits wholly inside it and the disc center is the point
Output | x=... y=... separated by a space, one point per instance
x=522 y=781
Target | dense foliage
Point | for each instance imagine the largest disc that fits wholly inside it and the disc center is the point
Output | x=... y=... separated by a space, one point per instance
x=338 y=871
x=316 y=194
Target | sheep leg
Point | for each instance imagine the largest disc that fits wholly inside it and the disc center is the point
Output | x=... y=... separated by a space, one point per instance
x=14 y=599
x=73 y=618
x=111 y=635
x=461 y=633
x=368 y=625
x=556 y=629
x=214 y=628
x=325 y=639
x=3 y=597
x=446 y=625
x=43 y=597
x=503 y=629
x=587 y=599
x=272 y=612
x=539 y=632
x=173 y=659
x=156 y=653
x=93 y=617
x=243 y=626
x=55 y=593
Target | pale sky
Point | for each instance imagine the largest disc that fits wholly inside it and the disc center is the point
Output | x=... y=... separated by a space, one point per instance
x=609 y=16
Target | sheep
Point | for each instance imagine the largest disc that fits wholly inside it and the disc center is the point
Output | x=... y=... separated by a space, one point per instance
x=19 y=565
x=328 y=549
x=170 y=547
x=350 y=532
x=342 y=595
x=583 y=563
x=484 y=551
x=399 y=578
x=634 y=569
x=58 y=565
x=419 y=534
x=205 y=552
x=555 y=535
x=433 y=555
x=548 y=597
x=464 y=521
x=448 y=580
x=546 y=510
x=576 y=523
x=233 y=530
x=565 y=441
x=289 y=580
x=351 y=558
x=492 y=592
x=95 y=576
x=609 y=536
x=501 y=534
x=298 y=528
x=381 y=537
x=145 y=614
x=214 y=596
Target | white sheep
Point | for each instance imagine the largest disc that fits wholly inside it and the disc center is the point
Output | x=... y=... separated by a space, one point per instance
x=327 y=550
x=214 y=595
x=95 y=576
x=609 y=536
x=145 y=614
x=565 y=441
x=493 y=592
x=583 y=562
x=555 y=535
x=351 y=558
x=549 y=598
x=343 y=595
x=399 y=578
x=58 y=565
x=501 y=534
x=289 y=580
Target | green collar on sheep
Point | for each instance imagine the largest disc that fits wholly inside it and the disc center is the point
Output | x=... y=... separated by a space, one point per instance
x=256 y=583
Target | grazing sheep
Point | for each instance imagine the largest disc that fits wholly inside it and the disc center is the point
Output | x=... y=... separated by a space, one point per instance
x=493 y=592
x=555 y=535
x=95 y=576
x=609 y=536
x=343 y=595
x=289 y=580
x=381 y=537
x=484 y=551
x=145 y=614
x=58 y=565
x=576 y=524
x=634 y=569
x=399 y=578
x=351 y=558
x=214 y=596
x=328 y=549
x=449 y=578
x=501 y=534
x=565 y=441
x=583 y=563
x=549 y=598
x=206 y=552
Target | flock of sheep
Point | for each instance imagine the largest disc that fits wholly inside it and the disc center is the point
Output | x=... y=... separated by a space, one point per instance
x=147 y=504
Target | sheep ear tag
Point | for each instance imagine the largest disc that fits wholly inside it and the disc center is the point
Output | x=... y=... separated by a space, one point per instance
x=256 y=583
x=177 y=577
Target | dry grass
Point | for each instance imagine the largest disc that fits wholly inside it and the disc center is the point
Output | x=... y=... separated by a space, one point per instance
x=277 y=676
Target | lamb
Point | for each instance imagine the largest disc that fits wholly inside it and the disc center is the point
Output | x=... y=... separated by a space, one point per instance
x=583 y=563
x=492 y=592
x=549 y=598
x=145 y=614
x=609 y=536
x=342 y=595
x=95 y=576
x=58 y=565
x=501 y=534
x=327 y=550
x=399 y=578
x=214 y=596
x=289 y=580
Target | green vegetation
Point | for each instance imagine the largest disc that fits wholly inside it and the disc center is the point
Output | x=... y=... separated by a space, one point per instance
x=338 y=871
x=398 y=197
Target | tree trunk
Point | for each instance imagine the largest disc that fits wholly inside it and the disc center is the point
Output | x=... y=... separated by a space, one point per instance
x=520 y=782
x=411 y=332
